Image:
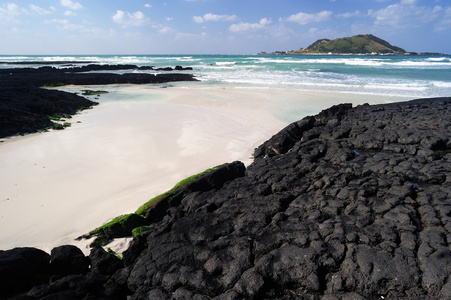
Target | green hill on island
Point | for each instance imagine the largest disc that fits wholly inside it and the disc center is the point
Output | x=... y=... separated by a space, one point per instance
x=358 y=44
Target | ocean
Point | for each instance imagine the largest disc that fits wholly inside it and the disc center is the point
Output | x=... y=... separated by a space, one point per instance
x=406 y=76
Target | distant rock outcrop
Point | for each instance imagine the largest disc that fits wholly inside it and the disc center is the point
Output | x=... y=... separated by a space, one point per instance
x=358 y=44
x=353 y=203
x=366 y=43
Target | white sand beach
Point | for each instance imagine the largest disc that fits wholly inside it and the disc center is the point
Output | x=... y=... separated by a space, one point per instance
x=137 y=143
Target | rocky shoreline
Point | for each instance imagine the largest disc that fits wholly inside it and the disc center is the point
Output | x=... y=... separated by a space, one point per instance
x=353 y=203
x=25 y=106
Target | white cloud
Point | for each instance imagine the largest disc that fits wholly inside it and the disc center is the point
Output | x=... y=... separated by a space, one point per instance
x=250 y=26
x=8 y=11
x=445 y=23
x=69 y=13
x=304 y=18
x=350 y=14
x=165 y=30
x=213 y=17
x=71 y=4
x=162 y=29
x=198 y=19
x=86 y=28
x=11 y=8
x=38 y=10
x=11 y=12
x=66 y=24
x=147 y=5
x=182 y=35
x=405 y=14
x=130 y=19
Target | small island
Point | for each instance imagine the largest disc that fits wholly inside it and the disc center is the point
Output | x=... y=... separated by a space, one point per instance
x=364 y=44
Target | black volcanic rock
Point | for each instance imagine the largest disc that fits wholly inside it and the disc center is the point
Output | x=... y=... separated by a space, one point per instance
x=21 y=269
x=25 y=107
x=51 y=76
x=355 y=205
x=104 y=262
x=285 y=139
x=211 y=181
x=67 y=260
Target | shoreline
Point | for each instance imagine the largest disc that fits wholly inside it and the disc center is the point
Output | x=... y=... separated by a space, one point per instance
x=125 y=152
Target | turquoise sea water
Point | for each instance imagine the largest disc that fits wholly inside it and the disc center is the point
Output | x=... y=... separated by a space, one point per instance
x=410 y=76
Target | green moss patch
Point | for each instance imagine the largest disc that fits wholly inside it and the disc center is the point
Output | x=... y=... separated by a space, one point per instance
x=110 y=251
x=132 y=224
x=92 y=93
x=57 y=126
x=58 y=117
x=51 y=85
x=121 y=226
x=140 y=211
x=60 y=126
x=99 y=241
x=138 y=231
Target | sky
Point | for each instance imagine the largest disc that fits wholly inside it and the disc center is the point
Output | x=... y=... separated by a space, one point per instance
x=97 y=27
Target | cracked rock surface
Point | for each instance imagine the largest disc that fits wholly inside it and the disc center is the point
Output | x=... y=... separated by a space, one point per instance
x=353 y=203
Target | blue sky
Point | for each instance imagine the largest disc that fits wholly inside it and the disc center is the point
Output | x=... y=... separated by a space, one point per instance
x=215 y=26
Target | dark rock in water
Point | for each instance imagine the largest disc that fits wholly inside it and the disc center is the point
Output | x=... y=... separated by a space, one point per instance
x=180 y=68
x=164 y=69
x=355 y=204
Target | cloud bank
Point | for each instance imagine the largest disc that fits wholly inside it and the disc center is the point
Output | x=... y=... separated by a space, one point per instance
x=127 y=19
